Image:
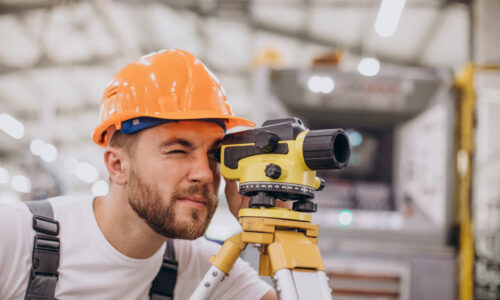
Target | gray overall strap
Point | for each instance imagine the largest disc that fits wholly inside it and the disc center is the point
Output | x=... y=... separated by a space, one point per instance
x=45 y=258
x=164 y=282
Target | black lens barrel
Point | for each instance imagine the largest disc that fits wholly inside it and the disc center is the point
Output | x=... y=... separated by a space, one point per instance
x=326 y=149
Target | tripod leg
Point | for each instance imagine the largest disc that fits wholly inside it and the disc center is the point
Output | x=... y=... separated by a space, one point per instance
x=298 y=267
x=284 y=285
x=301 y=285
x=208 y=284
x=221 y=265
x=312 y=285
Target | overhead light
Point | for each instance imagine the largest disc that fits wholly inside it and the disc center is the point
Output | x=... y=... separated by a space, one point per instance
x=321 y=84
x=86 y=172
x=369 y=66
x=48 y=152
x=355 y=137
x=314 y=84
x=70 y=165
x=11 y=126
x=36 y=146
x=20 y=183
x=388 y=17
x=100 y=188
x=4 y=176
x=345 y=217
x=328 y=85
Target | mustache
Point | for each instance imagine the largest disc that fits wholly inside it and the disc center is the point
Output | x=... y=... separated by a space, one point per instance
x=196 y=190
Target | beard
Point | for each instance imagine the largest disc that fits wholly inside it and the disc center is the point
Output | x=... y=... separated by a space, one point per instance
x=161 y=215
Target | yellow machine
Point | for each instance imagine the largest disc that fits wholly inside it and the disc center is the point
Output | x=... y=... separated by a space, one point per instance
x=279 y=161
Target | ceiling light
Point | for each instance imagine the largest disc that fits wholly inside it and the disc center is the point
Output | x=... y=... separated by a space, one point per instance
x=388 y=17
x=369 y=66
x=345 y=217
x=21 y=184
x=321 y=84
x=36 y=146
x=11 y=126
x=86 y=172
x=48 y=152
x=314 y=84
x=328 y=85
x=355 y=137
x=4 y=176
x=100 y=188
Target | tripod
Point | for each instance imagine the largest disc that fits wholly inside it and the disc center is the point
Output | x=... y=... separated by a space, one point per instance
x=288 y=252
x=279 y=161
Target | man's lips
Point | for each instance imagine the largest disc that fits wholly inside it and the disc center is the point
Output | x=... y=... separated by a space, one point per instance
x=193 y=201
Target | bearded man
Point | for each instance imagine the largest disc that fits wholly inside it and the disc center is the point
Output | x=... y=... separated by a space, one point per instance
x=162 y=120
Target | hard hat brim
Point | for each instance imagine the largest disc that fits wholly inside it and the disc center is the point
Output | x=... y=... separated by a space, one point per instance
x=99 y=132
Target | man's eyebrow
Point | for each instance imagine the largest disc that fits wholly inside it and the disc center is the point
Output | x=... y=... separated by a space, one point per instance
x=176 y=141
x=217 y=144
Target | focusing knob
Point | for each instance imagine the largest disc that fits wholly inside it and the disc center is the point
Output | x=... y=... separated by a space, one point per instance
x=266 y=141
x=304 y=206
x=273 y=171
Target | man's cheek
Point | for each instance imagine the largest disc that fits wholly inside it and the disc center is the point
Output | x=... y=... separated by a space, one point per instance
x=216 y=173
x=215 y=168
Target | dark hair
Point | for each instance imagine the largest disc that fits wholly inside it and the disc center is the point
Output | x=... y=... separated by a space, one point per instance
x=124 y=141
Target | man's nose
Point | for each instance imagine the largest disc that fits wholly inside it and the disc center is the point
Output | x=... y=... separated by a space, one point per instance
x=200 y=170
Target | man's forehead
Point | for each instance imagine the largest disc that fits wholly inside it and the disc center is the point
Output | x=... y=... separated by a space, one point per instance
x=192 y=125
x=201 y=131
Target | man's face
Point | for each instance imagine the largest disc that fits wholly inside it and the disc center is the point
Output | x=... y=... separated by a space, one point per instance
x=174 y=177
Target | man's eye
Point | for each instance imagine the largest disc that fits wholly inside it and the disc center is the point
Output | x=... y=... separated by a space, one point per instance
x=175 y=151
x=214 y=155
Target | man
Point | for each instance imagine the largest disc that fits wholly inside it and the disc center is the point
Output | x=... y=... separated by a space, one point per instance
x=162 y=121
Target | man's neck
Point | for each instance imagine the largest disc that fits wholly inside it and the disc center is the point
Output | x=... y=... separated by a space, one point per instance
x=123 y=228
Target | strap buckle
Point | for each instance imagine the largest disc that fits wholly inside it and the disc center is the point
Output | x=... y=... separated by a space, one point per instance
x=45 y=257
x=170 y=265
x=164 y=283
x=46 y=225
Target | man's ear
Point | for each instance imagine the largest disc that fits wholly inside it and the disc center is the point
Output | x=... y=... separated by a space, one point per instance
x=117 y=163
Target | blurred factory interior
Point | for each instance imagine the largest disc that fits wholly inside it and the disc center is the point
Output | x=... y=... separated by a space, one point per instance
x=416 y=215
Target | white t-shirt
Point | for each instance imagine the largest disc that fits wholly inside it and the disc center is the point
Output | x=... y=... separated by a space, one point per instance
x=90 y=268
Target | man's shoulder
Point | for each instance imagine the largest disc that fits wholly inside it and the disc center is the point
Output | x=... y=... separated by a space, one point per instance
x=71 y=211
x=15 y=226
x=11 y=212
x=18 y=212
x=17 y=216
x=63 y=202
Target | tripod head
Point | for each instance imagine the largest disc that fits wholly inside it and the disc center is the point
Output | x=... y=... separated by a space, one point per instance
x=279 y=161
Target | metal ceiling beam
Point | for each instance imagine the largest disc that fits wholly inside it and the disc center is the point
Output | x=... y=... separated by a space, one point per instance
x=432 y=32
x=363 y=3
x=45 y=63
x=356 y=49
x=429 y=36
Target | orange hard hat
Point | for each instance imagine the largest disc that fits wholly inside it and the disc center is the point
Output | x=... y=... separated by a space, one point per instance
x=168 y=85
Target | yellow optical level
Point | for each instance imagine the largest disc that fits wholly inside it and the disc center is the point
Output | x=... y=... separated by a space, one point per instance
x=279 y=161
